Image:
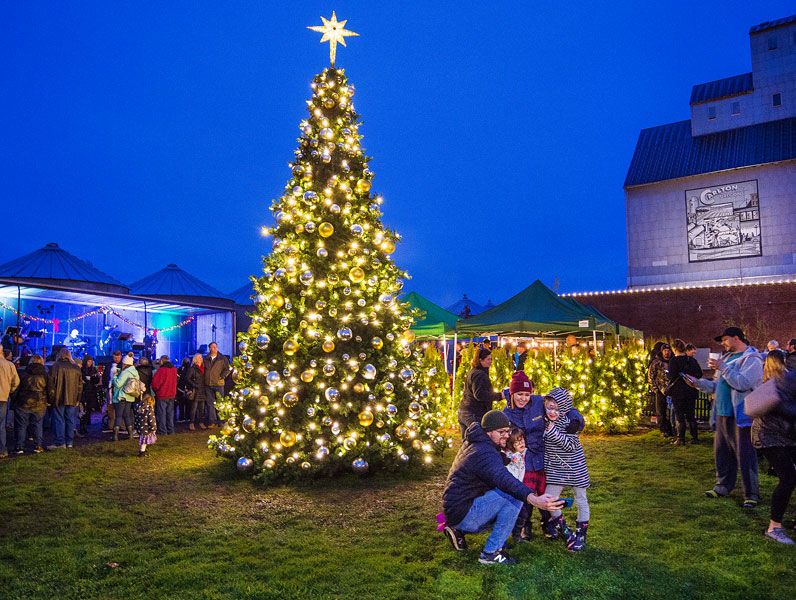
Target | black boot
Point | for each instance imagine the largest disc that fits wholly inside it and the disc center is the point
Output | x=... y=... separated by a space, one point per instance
x=548 y=527
x=580 y=536
x=115 y=434
x=694 y=432
x=564 y=532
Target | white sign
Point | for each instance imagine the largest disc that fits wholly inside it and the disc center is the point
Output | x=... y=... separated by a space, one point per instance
x=583 y=323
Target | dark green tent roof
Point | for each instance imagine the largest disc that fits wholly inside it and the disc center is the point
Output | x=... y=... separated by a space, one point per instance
x=536 y=310
x=435 y=322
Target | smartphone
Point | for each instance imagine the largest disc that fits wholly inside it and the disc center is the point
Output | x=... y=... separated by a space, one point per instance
x=506 y=395
x=567 y=502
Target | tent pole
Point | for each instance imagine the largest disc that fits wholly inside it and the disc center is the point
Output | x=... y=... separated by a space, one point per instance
x=445 y=351
x=453 y=389
x=555 y=354
x=594 y=340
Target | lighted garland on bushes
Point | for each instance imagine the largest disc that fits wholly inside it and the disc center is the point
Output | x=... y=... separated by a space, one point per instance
x=610 y=389
x=327 y=380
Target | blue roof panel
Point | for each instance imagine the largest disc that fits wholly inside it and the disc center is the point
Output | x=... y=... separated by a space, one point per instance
x=670 y=151
x=243 y=295
x=55 y=263
x=722 y=88
x=173 y=281
x=772 y=24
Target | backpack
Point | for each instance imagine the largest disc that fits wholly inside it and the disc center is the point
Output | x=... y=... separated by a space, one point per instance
x=134 y=387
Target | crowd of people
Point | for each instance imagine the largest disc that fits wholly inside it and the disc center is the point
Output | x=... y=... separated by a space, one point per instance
x=137 y=398
x=528 y=453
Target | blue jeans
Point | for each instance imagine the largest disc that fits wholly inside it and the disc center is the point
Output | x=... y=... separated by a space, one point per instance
x=64 y=424
x=22 y=419
x=124 y=414
x=494 y=506
x=3 y=414
x=164 y=415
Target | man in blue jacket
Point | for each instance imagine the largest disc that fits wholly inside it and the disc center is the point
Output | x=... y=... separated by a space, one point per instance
x=481 y=492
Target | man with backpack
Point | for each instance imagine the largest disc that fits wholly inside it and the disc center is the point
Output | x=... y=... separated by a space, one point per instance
x=65 y=388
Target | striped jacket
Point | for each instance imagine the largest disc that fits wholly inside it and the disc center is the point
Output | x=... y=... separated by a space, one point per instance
x=564 y=460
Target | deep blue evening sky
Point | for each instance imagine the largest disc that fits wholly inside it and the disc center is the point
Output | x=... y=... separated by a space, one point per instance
x=141 y=133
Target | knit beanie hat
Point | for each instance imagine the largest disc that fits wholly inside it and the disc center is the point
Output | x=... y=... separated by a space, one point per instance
x=494 y=419
x=520 y=383
x=128 y=359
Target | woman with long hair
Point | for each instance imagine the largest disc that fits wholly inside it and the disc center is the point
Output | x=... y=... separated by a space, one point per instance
x=774 y=434
x=478 y=393
x=683 y=396
x=659 y=382
x=93 y=395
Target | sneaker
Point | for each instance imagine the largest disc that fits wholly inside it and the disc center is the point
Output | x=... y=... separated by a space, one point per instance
x=202 y=426
x=56 y=446
x=191 y=427
x=750 y=503
x=456 y=538
x=20 y=451
x=495 y=558
x=70 y=445
x=713 y=494
x=678 y=442
x=778 y=535
x=211 y=426
x=38 y=450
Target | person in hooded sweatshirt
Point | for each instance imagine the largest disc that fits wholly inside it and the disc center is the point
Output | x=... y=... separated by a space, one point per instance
x=565 y=466
x=30 y=404
x=481 y=493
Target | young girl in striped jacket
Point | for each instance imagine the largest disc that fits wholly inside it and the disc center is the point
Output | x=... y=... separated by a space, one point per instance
x=565 y=466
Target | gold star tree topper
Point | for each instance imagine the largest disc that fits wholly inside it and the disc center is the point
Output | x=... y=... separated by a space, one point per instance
x=333 y=31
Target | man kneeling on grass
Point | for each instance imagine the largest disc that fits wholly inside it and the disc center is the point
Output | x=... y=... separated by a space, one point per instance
x=480 y=491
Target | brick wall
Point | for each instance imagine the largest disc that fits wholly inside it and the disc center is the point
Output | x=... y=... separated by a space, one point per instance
x=765 y=312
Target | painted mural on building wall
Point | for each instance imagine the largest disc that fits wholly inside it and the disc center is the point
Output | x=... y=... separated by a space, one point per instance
x=723 y=222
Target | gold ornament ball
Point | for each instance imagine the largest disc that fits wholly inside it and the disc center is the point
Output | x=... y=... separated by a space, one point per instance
x=276 y=300
x=356 y=275
x=325 y=229
x=329 y=103
x=377 y=343
x=269 y=463
x=359 y=388
x=388 y=246
x=290 y=399
x=288 y=438
x=402 y=432
x=307 y=376
x=299 y=228
x=365 y=418
x=328 y=346
x=363 y=186
x=290 y=347
x=417 y=444
x=408 y=336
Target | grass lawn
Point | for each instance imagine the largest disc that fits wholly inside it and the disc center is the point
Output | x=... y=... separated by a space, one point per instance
x=183 y=524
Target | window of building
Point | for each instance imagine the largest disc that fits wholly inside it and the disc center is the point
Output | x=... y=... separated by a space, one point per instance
x=772 y=42
x=776 y=100
x=736 y=108
x=711 y=112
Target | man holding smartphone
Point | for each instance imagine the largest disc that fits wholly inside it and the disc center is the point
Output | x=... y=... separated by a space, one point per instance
x=737 y=373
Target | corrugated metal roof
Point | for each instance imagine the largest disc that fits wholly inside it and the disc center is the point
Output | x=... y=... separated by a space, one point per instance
x=54 y=263
x=722 y=88
x=669 y=151
x=173 y=281
x=243 y=295
x=772 y=24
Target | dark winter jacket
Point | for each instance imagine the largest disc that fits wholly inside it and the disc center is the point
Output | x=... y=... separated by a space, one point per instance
x=164 y=383
x=31 y=397
x=478 y=467
x=196 y=382
x=478 y=396
x=656 y=376
x=531 y=420
x=777 y=428
x=145 y=375
x=65 y=384
x=216 y=370
x=565 y=461
x=790 y=361
x=92 y=392
x=145 y=422
x=678 y=388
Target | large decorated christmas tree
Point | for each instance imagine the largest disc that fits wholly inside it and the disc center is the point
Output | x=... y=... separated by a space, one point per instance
x=327 y=378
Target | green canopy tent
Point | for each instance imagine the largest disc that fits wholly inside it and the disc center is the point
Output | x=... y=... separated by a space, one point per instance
x=536 y=310
x=435 y=321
